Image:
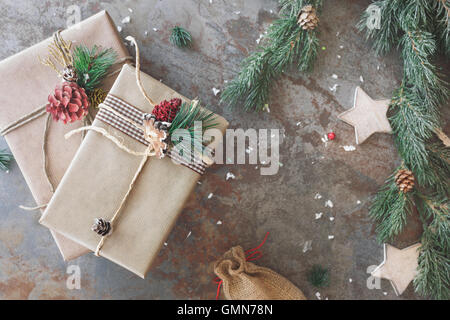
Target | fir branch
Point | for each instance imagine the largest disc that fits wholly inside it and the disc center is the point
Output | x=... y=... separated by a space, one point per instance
x=433 y=278
x=186 y=118
x=180 y=37
x=92 y=65
x=285 y=43
x=319 y=276
x=421 y=30
x=5 y=160
x=385 y=38
x=390 y=210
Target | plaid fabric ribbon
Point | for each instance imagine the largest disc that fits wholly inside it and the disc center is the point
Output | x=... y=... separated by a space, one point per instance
x=136 y=115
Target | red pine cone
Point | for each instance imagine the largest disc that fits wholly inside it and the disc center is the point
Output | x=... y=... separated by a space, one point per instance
x=167 y=110
x=69 y=103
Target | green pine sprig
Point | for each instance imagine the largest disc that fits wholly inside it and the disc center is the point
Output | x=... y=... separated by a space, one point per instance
x=186 y=118
x=420 y=30
x=285 y=44
x=180 y=37
x=319 y=276
x=5 y=160
x=92 y=65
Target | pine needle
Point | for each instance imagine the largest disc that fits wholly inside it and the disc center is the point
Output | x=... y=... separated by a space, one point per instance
x=285 y=44
x=180 y=37
x=92 y=65
x=5 y=160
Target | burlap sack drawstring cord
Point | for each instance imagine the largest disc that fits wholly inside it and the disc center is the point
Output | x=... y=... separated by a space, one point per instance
x=251 y=255
x=148 y=152
x=37 y=113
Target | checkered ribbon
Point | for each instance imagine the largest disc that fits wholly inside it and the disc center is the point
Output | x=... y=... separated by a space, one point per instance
x=136 y=115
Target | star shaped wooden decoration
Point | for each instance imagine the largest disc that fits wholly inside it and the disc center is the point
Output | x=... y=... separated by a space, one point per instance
x=367 y=116
x=399 y=266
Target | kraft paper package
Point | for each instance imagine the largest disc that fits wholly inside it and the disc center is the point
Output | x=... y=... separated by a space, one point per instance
x=25 y=84
x=100 y=175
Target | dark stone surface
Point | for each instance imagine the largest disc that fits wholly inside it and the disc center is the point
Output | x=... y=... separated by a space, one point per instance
x=249 y=206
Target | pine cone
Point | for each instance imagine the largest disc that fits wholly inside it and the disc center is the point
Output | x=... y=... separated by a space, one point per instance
x=307 y=18
x=102 y=227
x=404 y=179
x=167 y=110
x=69 y=103
x=96 y=97
x=70 y=74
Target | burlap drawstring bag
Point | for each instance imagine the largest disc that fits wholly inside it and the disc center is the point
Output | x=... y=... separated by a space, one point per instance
x=244 y=280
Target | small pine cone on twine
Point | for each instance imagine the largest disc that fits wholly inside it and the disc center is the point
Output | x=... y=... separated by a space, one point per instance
x=404 y=179
x=102 y=227
x=307 y=18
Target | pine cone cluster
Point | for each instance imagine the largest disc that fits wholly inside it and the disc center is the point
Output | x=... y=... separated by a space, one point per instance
x=102 y=227
x=307 y=18
x=69 y=103
x=167 y=110
x=404 y=179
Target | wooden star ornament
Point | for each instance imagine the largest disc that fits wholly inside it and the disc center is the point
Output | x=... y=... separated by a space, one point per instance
x=399 y=266
x=367 y=116
x=155 y=136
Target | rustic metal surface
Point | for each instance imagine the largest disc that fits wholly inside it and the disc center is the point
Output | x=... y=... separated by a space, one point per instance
x=224 y=33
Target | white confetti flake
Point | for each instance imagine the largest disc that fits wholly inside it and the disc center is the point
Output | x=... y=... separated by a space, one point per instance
x=219 y=222
x=318 y=215
x=155 y=29
x=210 y=1
x=385 y=293
x=318 y=296
x=145 y=33
x=331 y=218
x=307 y=246
x=324 y=138
x=230 y=175
x=350 y=280
x=165 y=244
x=337 y=34
x=334 y=87
x=131 y=10
x=334 y=76
x=210 y=195
x=127 y=19
x=329 y=204
x=248 y=150
x=215 y=91
x=330 y=237
x=271 y=11
x=338 y=56
x=341 y=47
x=318 y=196
x=358 y=202
x=361 y=78
x=237 y=12
x=378 y=67
x=349 y=148
x=119 y=28
x=298 y=123
x=189 y=234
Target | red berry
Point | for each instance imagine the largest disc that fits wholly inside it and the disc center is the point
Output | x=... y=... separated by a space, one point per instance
x=331 y=136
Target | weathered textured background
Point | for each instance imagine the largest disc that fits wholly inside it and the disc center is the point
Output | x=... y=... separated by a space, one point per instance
x=225 y=31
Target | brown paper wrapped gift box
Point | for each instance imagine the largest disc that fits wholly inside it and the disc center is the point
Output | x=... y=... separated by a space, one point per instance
x=100 y=175
x=24 y=86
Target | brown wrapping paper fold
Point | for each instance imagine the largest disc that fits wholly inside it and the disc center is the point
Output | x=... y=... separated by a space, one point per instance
x=24 y=86
x=243 y=280
x=99 y=176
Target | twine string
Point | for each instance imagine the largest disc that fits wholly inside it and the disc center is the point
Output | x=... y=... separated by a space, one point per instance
x=251 y=255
